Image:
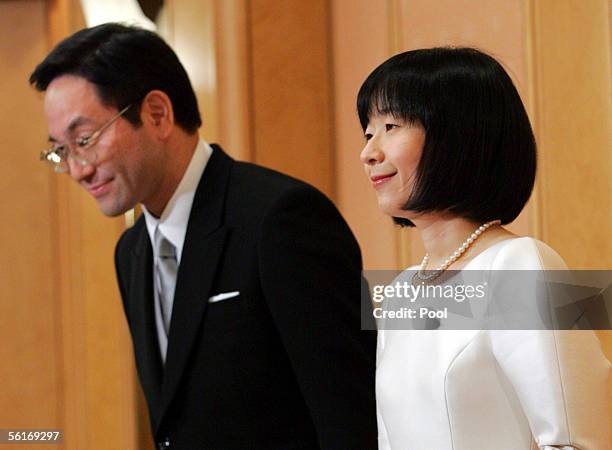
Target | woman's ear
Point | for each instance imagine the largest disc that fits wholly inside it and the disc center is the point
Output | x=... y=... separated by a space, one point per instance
x=157 y=113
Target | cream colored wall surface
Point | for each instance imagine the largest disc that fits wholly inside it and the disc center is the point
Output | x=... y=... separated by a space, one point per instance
x=31 y=385
x=360 y=43
x=291 y=99
x=571 y=47
x=234 y=78
x=192 y=36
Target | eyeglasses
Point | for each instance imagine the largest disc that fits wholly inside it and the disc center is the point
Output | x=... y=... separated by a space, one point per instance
x=80 y=150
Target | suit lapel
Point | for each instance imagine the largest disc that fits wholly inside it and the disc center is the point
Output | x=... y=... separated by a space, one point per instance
x=146 y=344
x=202 y=250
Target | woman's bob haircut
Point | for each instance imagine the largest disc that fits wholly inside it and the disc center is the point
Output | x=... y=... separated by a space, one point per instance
x=479 y=155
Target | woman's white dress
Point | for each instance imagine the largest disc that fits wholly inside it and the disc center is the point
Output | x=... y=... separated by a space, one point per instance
x=493 y=390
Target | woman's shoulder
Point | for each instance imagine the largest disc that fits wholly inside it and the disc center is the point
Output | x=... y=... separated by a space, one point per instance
x=520 y=253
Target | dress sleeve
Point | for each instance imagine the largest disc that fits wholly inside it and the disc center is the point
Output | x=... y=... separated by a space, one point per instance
x=561 y=380
x=559 y=376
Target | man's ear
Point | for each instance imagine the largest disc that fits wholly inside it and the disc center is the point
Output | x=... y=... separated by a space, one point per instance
x=157 y=113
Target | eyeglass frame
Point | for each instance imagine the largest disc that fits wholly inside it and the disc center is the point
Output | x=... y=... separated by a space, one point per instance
x=85 y=142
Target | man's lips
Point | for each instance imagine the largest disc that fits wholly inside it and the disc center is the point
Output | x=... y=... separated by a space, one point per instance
x=99 y=189
x=380 y=179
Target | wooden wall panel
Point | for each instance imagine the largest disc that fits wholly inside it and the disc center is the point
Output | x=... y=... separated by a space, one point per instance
x=361 y=41
x=234 y=106
x=192 y=35
x=290 y=62
x=571 y=51
x=31 y=387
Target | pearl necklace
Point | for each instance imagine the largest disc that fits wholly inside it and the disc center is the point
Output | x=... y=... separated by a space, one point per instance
x=455 y=256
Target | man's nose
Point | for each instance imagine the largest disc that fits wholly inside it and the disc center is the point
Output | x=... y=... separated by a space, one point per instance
x=78 y=171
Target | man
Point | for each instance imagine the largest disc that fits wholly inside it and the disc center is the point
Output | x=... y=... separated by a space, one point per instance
x=240 y=285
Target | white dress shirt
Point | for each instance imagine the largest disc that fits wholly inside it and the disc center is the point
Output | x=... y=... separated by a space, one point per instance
x=495 y=389
x=173 y=222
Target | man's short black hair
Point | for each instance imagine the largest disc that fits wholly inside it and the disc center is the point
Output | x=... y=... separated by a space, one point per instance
x=124 y=63
x=479 y=155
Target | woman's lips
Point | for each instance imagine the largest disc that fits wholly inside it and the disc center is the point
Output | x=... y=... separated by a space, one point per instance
x=380 y=179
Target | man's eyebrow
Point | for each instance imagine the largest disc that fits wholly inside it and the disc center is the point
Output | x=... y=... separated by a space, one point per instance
x=74 y=123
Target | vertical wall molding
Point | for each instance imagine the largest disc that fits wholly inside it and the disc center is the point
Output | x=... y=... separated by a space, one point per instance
x=570 y=101
x=360 y=38
x=290 y=89
x=234 y=69
x=532 y=102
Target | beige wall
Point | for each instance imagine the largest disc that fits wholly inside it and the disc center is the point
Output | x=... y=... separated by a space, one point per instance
x=572 y=91
x=361 y=39
x=32 y=387
x=291 y=88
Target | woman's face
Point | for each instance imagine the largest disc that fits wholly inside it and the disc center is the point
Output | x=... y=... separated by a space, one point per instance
x=390 y=158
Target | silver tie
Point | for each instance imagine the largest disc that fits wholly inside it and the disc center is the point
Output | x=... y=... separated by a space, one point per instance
x=166 y=269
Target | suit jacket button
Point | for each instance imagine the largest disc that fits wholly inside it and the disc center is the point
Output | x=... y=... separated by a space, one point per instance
x=164 y=445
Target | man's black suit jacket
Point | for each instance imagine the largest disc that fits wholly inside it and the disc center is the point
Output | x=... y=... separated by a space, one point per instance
x=283 y=365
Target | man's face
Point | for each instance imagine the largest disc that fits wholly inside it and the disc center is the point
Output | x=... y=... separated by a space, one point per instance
x=124 y=169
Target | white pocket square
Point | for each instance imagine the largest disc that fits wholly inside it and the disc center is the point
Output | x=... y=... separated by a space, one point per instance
x=223 y=296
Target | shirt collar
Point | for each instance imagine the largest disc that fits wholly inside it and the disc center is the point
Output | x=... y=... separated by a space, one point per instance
x=173 y=221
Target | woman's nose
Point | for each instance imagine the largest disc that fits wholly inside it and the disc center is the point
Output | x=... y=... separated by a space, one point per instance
x=372 y=153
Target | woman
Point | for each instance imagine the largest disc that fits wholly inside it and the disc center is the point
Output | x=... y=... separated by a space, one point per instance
x=450 y=151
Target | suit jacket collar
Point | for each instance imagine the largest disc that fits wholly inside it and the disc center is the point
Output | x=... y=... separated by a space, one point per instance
x=202 y=251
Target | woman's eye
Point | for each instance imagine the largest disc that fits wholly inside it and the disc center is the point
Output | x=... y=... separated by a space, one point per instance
x=368 y=136
x=390 y=126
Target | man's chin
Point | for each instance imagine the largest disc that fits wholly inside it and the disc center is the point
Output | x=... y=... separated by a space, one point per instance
x=113 y=210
